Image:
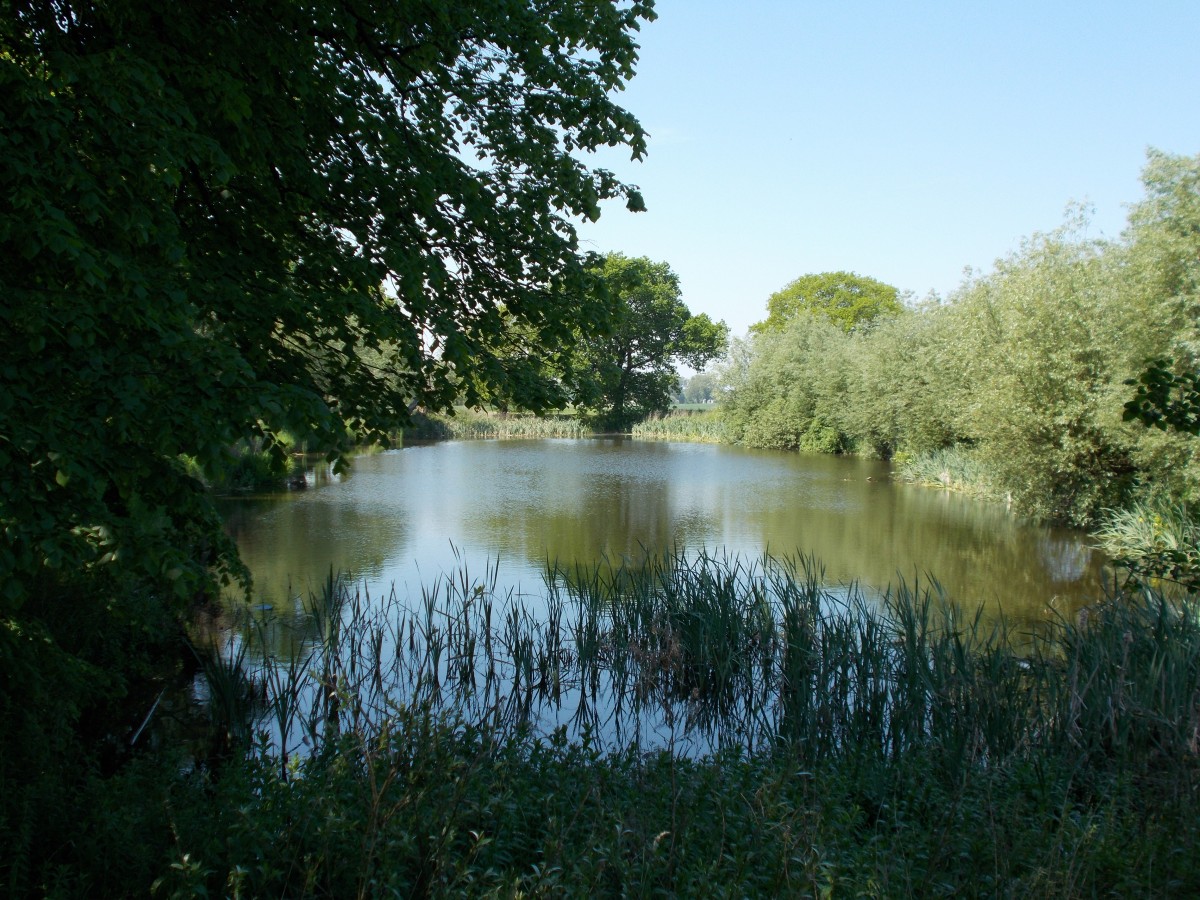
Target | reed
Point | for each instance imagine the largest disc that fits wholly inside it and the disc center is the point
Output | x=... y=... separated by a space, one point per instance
x=469 y=424
x=699 y=426
x=954 y=468
x=698 y=723
x=701 y=652
x=1154 y=540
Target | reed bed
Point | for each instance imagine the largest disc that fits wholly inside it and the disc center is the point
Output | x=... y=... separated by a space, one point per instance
x=699 y=426
x=701 y=653
x=954 y=468
x=468 y=424
x=694 y=724
x=1155 y=541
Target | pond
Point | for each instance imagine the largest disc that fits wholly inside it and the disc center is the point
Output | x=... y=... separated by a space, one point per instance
x=402 y=518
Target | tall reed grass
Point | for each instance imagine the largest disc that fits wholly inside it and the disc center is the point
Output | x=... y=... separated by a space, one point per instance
x=468 y=424
x=954 y=468
x=686 y=724
x=1155 y=540
x=700 y=426
x=700 y=652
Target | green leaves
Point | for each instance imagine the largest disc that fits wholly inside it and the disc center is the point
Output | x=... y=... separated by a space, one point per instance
x=849 y=301
x=299 y=218
x=1165 y=399
x=628 y=372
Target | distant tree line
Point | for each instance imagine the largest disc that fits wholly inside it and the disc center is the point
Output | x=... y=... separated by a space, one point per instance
x=1025 y=372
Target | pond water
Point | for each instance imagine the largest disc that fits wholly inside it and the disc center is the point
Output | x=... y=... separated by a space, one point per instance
x=405 y=517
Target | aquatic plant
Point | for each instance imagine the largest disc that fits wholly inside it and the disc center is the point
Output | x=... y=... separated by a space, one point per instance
x=702 y=426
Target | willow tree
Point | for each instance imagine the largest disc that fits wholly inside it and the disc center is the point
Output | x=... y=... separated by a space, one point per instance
x=223 y=220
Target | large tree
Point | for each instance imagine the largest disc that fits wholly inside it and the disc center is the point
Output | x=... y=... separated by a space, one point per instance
x=221 y=220
x=629 y=372
x=843 y=298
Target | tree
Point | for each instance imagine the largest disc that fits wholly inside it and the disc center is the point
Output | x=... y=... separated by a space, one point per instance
x=629 y=373
x=224 y=220
x=700 y=388
x=849 y=301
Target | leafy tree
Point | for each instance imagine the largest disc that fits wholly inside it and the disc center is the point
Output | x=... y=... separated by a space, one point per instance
x=700 y=388
x=224 y=220
x=1166 y=225
x=849 y=301
x=629 y=372
x=789 y=391
x=1027 y=368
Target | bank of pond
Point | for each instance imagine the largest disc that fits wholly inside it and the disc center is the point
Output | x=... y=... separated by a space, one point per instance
x=698 y=703
x=688 y=725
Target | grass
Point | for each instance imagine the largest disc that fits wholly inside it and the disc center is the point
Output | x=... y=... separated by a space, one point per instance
x=703 y=425
x=467 y=424
x=684 y=724
x=1155 y=541
x=953 y=468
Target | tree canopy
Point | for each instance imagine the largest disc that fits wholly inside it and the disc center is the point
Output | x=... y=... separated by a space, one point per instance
x=629 y=373
x=845 y=299
x=224 y=220
x=1026 y=381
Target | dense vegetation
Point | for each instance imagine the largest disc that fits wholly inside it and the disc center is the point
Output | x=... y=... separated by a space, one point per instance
x=1017 y=382
x=230 y=227
x=729 y=729
x=225 y=222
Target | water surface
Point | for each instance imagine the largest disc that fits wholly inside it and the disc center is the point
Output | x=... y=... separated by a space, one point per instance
x=404 y=517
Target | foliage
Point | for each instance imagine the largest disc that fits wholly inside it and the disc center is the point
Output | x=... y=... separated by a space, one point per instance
x=847 y=300
x=791 y=394
x=629 y=372
x=224 y=222
x=1166 y=399
x=901 y=753
x=702 y=387
x=1026 y=368
x=1154 y=541
x=219 y=225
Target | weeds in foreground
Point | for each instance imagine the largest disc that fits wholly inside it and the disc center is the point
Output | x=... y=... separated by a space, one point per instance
x=687 y=725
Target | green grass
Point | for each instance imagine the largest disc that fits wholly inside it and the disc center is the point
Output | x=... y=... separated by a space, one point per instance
x=467 y=424
x=682 y=724
x=703 y=425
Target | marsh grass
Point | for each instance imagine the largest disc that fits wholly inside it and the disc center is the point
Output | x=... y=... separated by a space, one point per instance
x=470 y=424
x=681 y=724
x=954 y=468
x=702 y=425
x=1155 y=541
x=700 y=653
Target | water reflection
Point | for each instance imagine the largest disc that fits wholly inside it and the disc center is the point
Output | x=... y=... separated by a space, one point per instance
x=408 y=515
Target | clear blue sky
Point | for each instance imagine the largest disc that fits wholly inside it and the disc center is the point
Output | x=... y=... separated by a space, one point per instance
x=900 y=141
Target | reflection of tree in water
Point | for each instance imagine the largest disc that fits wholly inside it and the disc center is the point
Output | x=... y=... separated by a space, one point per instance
x=1064 y=559
x=290 y=541
x=606 y=516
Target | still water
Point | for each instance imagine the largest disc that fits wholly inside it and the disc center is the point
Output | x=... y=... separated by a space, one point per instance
x=403 y=518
